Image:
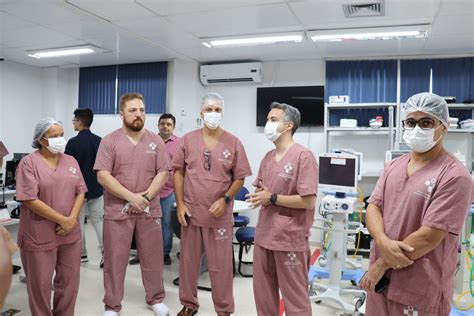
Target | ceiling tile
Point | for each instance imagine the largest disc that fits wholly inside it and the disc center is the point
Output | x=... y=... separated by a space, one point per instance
x=113 y=10
x=85 y=29
x=10 y=22
x=257 y=19
x=177 y=42
x=453 y=24
x=151 y=26
x=173 y=7
x=34 y=36
x=43 y=12
x=456 y=7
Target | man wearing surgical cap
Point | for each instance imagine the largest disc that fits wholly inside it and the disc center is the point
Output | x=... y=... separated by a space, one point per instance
x=415 y=215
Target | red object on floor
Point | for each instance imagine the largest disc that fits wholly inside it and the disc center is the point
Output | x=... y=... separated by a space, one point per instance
x=313 y=259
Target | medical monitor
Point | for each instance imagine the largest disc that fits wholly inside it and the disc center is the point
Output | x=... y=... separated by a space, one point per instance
x=18 y=156
x=10 y=170
x=393 y=154
x=355 y=153
x=338 y=172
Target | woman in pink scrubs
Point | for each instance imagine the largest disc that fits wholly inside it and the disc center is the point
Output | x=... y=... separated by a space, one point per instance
x=51 y=187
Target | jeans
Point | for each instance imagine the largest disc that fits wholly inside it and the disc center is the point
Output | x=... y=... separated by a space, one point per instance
x=167 y=207
x=95 y=209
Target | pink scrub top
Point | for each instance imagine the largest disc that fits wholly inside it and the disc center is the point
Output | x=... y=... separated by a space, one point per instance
x=282 y=228
x=436 y=196
x=228 y=162
x=134 y=166
x=57 y=188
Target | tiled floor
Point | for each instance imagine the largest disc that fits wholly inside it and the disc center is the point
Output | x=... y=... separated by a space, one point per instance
x=89 y=302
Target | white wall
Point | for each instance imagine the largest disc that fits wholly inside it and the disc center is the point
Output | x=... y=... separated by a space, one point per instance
x=20 y=105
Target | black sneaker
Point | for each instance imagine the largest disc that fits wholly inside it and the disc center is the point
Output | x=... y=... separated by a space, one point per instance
x=167 y=260
x=101 y=264
x=134 y=260
x=16 y=269
x=84 y=259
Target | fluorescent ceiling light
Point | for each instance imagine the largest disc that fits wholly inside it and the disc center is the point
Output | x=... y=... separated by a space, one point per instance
x=64 y=51
x=265 y=39
x=379 y=33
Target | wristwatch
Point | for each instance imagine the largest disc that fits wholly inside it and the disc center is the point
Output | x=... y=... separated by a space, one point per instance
x=273 y=198
x=227 y=199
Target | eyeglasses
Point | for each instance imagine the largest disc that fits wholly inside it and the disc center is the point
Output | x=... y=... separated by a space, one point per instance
x=207 y=160
x=423 y=123
x=75 y=120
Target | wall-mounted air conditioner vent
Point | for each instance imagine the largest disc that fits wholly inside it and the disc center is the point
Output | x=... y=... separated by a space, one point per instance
x=231 y=73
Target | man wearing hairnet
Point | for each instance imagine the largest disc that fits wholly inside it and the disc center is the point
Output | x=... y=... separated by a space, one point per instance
x=415 y=215
x=210 y=166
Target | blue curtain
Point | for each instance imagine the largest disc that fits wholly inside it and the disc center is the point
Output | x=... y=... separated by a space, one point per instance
x=97 y=89
x=454 y=77
x=363 y=81
x=148 y=79
x=414 y=77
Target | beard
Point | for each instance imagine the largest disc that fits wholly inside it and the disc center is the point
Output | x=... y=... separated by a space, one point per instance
x=136 y=125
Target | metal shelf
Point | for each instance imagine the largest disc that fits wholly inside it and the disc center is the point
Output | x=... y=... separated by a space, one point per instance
x=461 y=106
x=357 y=129
x=461 y=130
x=360 y=105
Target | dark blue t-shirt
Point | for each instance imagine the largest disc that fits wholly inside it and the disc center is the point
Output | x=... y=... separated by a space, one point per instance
x=84 y=148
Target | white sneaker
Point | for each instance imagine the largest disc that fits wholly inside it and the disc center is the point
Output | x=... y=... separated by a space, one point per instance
x=160 y=309
x=110 y=313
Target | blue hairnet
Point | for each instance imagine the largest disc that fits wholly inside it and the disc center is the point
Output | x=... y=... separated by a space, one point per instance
x=212 y=97
x=41 y=128
x=429 y=103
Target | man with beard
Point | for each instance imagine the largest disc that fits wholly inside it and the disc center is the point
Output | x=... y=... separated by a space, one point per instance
x=132 y=166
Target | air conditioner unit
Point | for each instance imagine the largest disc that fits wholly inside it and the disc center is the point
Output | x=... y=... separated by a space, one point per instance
x=231 y=73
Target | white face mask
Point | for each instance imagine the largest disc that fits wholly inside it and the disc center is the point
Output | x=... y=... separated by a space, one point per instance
x=56 y=144
x=420 y=140
x=212 y=119
x=271 y=131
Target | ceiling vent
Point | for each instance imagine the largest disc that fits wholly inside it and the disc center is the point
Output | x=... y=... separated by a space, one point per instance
x=364 y=9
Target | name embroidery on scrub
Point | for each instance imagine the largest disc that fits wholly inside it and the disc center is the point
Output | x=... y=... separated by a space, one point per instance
x=292 y=260
x=429 y=189
x=410 y=311
x=226 y=154
x=152 y=148
x=288 y=172
x=220 y=234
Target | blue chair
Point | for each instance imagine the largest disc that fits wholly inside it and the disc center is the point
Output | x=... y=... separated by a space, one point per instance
x=245 y=237
x=241 y=220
